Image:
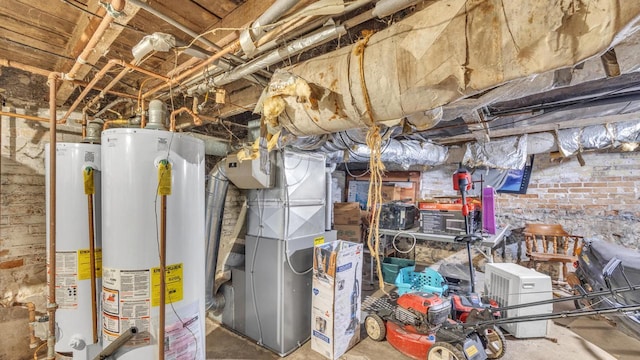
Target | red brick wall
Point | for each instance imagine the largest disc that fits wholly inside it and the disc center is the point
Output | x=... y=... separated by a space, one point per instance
x=598 y=200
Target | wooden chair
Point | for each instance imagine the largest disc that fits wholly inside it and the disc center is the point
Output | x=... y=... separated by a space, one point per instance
x=551 y=243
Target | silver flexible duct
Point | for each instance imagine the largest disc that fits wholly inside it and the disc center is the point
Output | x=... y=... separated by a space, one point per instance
x=505 y=153
x=350 y=146
x=216 y=193
x=574 y=141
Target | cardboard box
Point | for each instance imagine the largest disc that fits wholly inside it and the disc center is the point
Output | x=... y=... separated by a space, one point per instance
x=408 y=194
x=358 y=191
x=346 y=213
x=447 y=221
x=351 y=233
x=336 y=300
x=390 y=193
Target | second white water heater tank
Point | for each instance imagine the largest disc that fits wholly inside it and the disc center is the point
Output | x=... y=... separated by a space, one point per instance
x=131 y=236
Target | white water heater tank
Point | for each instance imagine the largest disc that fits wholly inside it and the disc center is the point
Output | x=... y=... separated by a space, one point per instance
x=73 y=273
x=131 y=235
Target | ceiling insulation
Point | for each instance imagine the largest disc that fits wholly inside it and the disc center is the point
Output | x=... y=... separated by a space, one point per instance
x=449 y=50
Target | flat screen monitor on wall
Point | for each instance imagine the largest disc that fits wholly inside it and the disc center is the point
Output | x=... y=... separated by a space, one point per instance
x=516 y=181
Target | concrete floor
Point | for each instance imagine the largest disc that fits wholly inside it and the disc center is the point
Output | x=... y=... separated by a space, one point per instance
x=579 y=338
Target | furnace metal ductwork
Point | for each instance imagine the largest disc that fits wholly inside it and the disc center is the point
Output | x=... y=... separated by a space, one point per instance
x=216 y=193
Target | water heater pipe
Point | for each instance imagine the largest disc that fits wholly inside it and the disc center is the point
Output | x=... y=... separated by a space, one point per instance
x=84 y=124
x=111 y=63
x=51 y=261
x=24 y=67
x=231 y=48
x=114 y=122
x=197 y=119
x=92 y=264
x=163 y=265
x=23 y=116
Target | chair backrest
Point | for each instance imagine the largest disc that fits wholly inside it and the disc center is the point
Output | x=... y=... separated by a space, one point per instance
x=550 y=239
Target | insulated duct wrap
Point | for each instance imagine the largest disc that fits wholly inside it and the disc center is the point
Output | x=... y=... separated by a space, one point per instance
x=449 y=50
x=350 y=146
x=216 y=194
x=405 y=153
x=507 y=153
x=577 y=140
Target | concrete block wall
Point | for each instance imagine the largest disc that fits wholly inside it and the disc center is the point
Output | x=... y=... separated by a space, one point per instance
x=598 y=200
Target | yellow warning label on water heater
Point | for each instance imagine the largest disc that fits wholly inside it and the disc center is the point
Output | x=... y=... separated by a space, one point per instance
x=174 y=284
x=89 y=187
x=84 y=264
x=318 y=241
x=164 y=178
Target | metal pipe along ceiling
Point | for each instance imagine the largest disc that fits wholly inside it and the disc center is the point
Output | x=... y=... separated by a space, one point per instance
x=321 y=36
x=223 y=63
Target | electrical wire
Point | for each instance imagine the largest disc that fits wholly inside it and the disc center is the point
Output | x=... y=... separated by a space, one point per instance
x=413 y=245
x=253 y=264
x=184 y=325
x=355 y=176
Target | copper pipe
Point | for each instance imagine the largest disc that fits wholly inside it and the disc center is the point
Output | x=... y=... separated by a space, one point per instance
x=143 y=116
x=163 y=264
x=22 y=116
x=52 y=306
x=127 y=67
x=112 y=92
x=92 y=264
x=196 y=119
x=119 y=77
x=114 y=122
x=33 y=342
x=83 y=94
x=84 y=124
x=233 y=47
x=111 y=63
x=31 y=307
x=117 y=5
x=24 y=67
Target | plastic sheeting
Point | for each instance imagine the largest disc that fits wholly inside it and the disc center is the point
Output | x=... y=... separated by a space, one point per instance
x=449 y=50
x=507 y=153
x=574 y=141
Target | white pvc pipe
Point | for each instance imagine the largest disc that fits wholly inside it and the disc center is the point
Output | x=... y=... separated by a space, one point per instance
x=387 y=7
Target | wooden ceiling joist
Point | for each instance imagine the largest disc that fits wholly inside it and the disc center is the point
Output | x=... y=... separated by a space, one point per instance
x=110 y=35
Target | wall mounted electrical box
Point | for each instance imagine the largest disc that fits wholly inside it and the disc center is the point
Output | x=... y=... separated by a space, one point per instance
x=249 y=174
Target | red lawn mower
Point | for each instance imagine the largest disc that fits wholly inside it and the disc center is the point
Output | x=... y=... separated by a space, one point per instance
x=413 y=324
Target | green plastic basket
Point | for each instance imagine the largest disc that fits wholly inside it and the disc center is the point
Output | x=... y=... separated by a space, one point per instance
x=391 y=266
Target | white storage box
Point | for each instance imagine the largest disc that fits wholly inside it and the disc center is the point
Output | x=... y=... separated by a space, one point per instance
x=335 y=310
x=512 y=284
